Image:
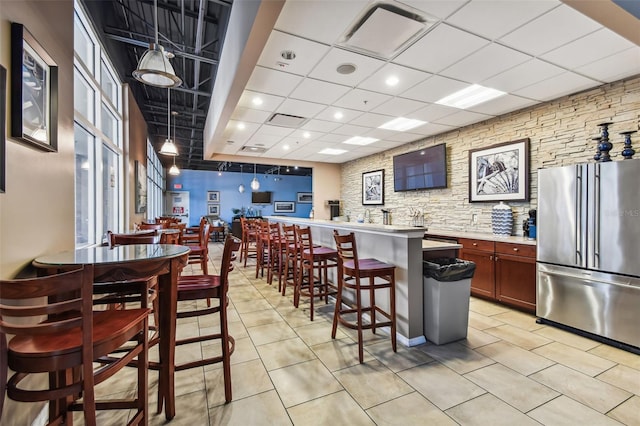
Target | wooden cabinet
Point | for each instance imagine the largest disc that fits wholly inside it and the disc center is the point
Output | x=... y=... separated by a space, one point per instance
x=505 y=272
x=516 y=275
x=480 y=252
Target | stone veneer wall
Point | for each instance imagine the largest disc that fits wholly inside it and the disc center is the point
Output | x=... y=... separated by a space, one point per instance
x=559 y=131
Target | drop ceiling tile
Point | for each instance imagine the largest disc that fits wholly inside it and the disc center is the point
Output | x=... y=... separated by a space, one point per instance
x=590 y=48
x=250 y=115
x=348 y=114
x=361 y=100
x=310 y=135
x=307 y=53
x=406 y=77
x=463 y=118
x=434 y=89
x=322 y=21
x=319 y=91
x=263 y=140
x=371 y=120
x=558 y=86
x=350 y=130
x=615 y=67
x=432 y=112
x=320 y=125
x=502 y=105
x=486 y=62
x=300 y=108
x=404 y=137
x=269 y=102
x=398 y=107
x=280 y=149
x=430 y=129
x=274 y=82
x=523 y=75
x=331 y=138
x=498 y=17
x=550 y=31
x=438 y=8
x=326 y=70
x=234 y=132
x=440 y=48
x=267 y=129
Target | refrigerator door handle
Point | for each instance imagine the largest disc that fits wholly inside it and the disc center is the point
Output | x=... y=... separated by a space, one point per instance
x=596 y=218
x=578 y=220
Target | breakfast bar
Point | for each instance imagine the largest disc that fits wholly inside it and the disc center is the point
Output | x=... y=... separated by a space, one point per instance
x=401 y=246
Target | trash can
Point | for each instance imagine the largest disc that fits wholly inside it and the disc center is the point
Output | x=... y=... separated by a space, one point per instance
x=447 y=287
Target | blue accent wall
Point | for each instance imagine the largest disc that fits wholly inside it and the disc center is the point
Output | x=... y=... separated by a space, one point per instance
x=198 y=182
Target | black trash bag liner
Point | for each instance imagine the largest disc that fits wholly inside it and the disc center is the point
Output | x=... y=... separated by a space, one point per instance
x=447 y=269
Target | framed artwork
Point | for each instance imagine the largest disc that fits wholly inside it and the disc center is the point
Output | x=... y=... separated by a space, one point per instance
x=373 y=188
x=141 y=188
x=213 y=209
x=500 y=172
x=213 y=196
x=3 y=114
x=34 y=92
x=305 y=197
x=284 y=207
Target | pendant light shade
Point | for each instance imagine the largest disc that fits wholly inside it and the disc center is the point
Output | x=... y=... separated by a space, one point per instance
x=174 y=170
x=241 y=187
x=154 y=67
x=168 y=147
x=255 y=184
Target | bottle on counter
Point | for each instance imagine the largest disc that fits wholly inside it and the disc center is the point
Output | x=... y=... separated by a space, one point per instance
x=311 y=214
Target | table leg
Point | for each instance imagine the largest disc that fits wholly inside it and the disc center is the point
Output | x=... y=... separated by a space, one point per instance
x=168 y=293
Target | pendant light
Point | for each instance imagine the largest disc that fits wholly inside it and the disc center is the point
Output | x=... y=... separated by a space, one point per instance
x=241 y=187
x=168 y=147
x=154 y=67
x=174 y=170
x=255 y=185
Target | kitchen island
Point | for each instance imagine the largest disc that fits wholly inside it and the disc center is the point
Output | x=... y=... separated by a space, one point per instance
x=401 y=246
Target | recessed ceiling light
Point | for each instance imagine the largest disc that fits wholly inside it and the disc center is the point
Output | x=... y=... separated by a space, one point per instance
x=346 y=68
x=257 y=101
x=338 y=115
x=241 y=126
x=402 y=124
x=392 y=80
x=306 y=135
x=470 y=96
x=289 y=55
x=332 y=151
x=360 y=140
x=285 y=147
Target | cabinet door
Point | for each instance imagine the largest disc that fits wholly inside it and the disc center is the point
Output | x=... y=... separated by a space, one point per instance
x=516 y=281
x=482 y=283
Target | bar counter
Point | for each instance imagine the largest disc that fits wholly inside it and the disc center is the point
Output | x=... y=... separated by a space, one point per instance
x=401 y=246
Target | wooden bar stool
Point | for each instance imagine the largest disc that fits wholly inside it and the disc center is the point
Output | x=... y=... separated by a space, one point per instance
x=200 y=287
x=379 y=276
x=314 y=259
x=250 y=229
x=291 y=257
x=67 y=342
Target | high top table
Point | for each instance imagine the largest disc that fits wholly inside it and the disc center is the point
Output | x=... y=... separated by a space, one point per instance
x=131 y=262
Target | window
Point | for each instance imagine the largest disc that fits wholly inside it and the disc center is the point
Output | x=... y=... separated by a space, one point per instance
x=155 y=184
x=98 y=137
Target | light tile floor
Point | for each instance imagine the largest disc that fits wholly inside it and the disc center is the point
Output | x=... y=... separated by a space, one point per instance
x=287 y=370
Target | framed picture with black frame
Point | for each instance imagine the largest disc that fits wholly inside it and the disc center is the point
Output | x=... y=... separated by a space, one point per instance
x=284 y=207
x=34 y=92
x=373 y=188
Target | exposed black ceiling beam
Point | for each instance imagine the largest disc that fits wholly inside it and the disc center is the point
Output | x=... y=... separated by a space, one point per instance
x=175 y=52
x=190 y=14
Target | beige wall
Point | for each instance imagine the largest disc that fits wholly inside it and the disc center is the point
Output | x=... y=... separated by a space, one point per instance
x=560 y=133
x=135 y=149
x=37 y=212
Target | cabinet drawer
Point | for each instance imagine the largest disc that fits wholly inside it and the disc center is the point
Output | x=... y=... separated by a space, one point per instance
x=471 y=244
x=516 y=249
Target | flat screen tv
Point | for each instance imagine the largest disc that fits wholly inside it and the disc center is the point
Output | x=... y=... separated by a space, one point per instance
x=422 y=169
x=261 y=197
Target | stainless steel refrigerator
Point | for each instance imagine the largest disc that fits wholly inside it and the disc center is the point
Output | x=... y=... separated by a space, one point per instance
x=588 y=254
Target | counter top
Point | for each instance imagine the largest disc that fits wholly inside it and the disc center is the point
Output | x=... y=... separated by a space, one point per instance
x=431 y=245
x=355 y=226
x=480 y=236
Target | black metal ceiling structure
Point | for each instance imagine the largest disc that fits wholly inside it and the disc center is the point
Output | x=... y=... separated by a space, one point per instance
x=193 y=32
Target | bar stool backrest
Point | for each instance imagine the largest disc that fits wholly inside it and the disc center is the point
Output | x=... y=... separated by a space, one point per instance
x=346 y=247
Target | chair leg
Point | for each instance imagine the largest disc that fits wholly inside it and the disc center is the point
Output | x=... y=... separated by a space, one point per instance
x=226 y=352
x=338 y=307
x=392 y=301
x=359 y=323
x=372 y=298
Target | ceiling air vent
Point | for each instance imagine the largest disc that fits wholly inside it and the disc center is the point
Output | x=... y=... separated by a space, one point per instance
x=286 y=120
x=385 y=29
x=256 y=150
